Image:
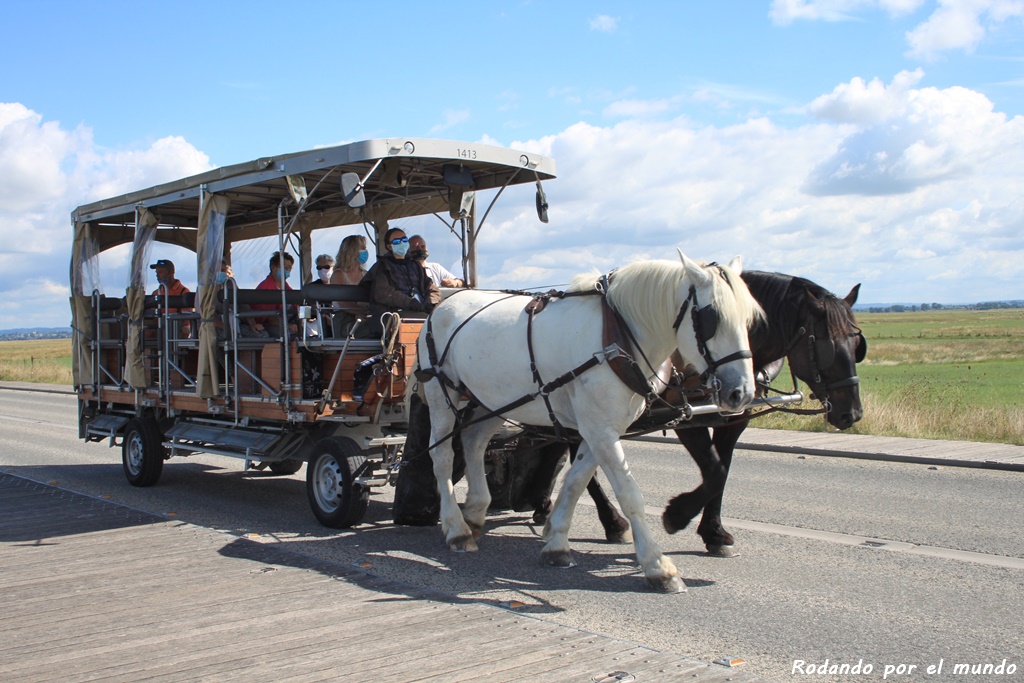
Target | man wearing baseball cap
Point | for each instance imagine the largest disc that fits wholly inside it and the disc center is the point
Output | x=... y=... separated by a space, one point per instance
x=171 y=286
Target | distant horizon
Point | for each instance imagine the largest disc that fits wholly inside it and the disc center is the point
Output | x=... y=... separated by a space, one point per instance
x=858 y=308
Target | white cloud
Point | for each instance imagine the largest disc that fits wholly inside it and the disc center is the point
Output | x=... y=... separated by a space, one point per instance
x=909 y=190
x=604 y=23
x=960 y=25
x=785 y=12
x=909 y=138
x=45 y=172
x=951 y=25
x=912 y=190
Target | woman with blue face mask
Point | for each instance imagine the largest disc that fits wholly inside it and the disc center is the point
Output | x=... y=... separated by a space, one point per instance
x=350 y=264
x=349 y=269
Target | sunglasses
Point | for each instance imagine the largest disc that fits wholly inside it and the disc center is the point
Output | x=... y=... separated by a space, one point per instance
x=399 y=240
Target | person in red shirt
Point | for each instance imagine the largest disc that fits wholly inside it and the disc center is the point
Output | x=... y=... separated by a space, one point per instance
x=277 y=278
x=170 y=285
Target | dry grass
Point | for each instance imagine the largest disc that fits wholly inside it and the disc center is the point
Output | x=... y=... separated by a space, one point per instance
x=46 y=361
x=904 y=414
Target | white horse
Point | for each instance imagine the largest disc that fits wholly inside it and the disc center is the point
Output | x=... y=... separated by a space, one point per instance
x=477 y=344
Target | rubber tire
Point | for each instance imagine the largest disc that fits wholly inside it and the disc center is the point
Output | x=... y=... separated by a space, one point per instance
x=142 y=452
x=290 y=466
x=337 y=501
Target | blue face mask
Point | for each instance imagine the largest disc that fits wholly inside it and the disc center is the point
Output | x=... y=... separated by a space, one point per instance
x=401 y=249
x=221 y=278
x=283 y=274
x=364 y=256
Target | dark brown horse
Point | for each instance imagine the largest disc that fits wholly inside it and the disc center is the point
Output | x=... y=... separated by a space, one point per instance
x=804 y=323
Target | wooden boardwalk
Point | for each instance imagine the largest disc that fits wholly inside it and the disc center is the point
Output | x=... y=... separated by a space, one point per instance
x=92 y=590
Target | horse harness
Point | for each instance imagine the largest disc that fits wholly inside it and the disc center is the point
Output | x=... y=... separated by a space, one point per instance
x=617 y=338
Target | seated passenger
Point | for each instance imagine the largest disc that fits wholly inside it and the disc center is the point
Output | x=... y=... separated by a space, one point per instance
x=441 y=276
x=171 y=286
x=398 y=284
x=349 y=270
x=276 y=278
x=324 y=268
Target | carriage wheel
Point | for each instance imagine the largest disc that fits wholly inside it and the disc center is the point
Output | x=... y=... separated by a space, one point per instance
x=290 y=466
x=337 y=500
x=142 y=452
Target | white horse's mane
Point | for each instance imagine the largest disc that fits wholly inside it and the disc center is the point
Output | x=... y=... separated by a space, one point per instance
x=645 y=292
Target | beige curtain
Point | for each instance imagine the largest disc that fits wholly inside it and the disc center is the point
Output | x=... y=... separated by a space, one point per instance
x=145 y=229
x=210 y=244
x=84 y=279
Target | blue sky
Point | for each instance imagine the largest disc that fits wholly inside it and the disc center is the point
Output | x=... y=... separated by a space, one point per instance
x=872 y=141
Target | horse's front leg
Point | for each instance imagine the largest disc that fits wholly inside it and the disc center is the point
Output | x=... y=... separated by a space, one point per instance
x=659 y=570
x=556 y=551
x=717 y=539
x=442 y=423
x=681 y=510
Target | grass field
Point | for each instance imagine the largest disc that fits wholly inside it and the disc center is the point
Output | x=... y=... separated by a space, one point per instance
x=47 y=361
x=949 y=374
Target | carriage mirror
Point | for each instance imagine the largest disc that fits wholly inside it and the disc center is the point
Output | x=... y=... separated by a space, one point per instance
x=455 y=197
x=862 y=348
x=542 y=204
x=352 y=189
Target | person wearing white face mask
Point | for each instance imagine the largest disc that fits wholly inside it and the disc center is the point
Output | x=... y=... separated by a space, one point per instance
x=324 y=267
x=397 y=283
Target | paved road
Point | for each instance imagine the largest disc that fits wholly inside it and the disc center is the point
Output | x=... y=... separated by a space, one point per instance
x=804 y=588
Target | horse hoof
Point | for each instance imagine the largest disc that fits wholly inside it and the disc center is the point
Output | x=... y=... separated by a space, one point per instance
x=557 y=558
x=463 y=544
x=476 y=529
x=723 y=551
x=540 y=517
x=668 y=584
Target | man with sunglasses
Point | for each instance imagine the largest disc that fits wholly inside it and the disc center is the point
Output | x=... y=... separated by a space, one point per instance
x=397 y=283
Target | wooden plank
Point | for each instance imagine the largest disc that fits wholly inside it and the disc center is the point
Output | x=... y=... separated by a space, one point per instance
x=185 y=602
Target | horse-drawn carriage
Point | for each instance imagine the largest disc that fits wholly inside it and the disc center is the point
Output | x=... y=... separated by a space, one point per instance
x=167 y=376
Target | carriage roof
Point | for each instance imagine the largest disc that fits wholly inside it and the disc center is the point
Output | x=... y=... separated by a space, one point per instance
x=403 y=177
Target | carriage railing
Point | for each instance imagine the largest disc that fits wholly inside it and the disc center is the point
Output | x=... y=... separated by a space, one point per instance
x=108 y=313
x=174 y=338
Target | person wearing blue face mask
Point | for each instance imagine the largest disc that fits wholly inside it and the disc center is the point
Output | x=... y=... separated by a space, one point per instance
x=349 y=269
x=398 y=284
x=276 y=280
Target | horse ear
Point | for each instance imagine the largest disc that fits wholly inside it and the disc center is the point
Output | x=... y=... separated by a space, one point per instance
x=693 y=269
x=736 y=264
x=816 y=304
x=851 y=298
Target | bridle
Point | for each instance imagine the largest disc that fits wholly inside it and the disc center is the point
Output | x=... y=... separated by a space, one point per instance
x=705 y=325
x=822 y=355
